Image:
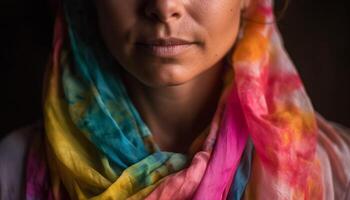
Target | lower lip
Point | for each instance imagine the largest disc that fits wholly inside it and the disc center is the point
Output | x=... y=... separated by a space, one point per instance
x=166 y=51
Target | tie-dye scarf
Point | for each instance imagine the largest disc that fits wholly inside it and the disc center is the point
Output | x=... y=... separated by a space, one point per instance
x=98 y=147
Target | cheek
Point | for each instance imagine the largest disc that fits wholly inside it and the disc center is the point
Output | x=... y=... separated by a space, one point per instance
x=116 y=18
x=222 y=23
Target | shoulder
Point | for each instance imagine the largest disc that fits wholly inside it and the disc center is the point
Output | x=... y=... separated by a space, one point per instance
x=13 y=152
x=334 y=153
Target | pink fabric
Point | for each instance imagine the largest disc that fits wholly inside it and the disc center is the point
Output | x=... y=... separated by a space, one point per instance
x=232 y=137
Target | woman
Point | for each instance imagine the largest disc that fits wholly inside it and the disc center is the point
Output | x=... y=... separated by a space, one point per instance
x=174 y=100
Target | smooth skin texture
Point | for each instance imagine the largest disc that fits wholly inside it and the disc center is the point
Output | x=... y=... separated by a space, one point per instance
x=176 y=95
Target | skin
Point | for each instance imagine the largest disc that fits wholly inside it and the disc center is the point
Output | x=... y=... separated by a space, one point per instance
x=175 y=95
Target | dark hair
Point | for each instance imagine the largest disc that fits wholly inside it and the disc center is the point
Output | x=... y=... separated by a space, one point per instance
x=280 y=12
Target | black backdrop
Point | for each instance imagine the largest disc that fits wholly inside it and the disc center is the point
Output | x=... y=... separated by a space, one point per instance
x=316 y=36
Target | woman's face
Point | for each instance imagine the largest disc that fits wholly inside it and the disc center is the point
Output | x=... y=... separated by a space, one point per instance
x=168 y=42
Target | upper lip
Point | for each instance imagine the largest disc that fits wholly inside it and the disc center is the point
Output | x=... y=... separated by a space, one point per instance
x=164 y=42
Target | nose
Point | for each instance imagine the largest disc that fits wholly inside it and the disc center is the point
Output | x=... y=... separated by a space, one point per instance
x=164 y=11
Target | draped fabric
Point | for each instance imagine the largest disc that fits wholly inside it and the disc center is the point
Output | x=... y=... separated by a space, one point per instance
x=98 y=147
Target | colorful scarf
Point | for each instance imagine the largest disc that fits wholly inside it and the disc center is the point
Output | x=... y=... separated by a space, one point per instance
x=262 y=138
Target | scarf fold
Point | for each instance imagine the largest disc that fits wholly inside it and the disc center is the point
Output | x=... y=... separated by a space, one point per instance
x=98 y=147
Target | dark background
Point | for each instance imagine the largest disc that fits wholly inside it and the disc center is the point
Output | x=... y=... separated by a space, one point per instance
x=316 y=36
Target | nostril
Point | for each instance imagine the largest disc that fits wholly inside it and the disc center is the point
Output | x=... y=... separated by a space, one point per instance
x=176 y=15
x=164 y=18
x=163 y=11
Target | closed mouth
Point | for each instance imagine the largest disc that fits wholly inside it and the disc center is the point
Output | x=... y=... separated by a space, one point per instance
x=164 y=42
x=165 y=47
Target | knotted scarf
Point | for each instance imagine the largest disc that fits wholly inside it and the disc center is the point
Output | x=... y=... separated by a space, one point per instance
x=98 y=147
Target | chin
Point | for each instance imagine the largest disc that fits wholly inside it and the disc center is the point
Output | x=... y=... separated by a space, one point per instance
x=167 y=76
x=158 y=73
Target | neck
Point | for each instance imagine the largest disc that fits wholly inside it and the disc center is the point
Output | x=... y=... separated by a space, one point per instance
x=177 y=114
